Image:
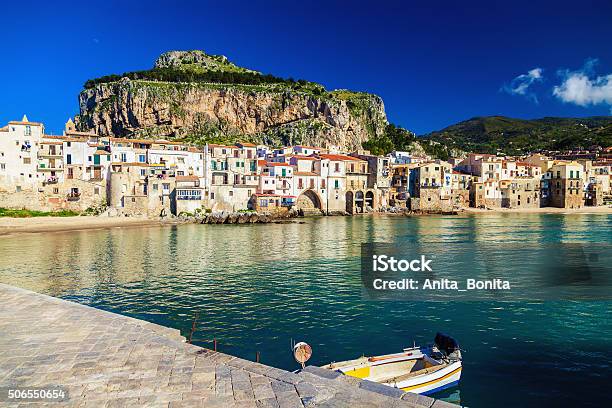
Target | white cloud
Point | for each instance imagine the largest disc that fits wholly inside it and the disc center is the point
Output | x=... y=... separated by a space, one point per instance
x=583 y=88
x=520 y=85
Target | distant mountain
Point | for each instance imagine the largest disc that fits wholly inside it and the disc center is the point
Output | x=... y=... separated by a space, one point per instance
x=493 y=134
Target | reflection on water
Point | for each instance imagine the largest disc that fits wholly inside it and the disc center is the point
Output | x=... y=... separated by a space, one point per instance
x=259 y=286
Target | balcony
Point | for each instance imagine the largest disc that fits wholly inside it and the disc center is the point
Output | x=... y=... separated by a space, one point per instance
x=73 y=196
x=43 y=167
x=50 y=180
x=189 y=197
x=50 y=155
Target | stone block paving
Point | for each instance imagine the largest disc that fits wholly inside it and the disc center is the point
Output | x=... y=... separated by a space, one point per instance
x=108 y=360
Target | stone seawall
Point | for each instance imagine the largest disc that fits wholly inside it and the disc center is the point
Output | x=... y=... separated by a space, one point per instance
x=105 y=359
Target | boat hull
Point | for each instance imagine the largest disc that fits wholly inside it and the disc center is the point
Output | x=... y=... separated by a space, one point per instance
x=437 y=381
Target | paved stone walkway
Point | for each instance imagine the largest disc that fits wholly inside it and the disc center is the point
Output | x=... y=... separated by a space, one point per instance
x=108 y=360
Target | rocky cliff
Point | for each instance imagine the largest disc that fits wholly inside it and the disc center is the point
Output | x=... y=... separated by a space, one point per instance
x=200 y=98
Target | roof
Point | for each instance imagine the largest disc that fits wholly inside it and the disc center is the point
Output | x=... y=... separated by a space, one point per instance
x=338 y=157
x=129 y=164
x=221 y=146
x=266 y=195
x=101 y=151
x=525 y=164
x=76 y=133
x=309 y=147
x=261 y=162
x=126 y=140
x=17 y=122
x=246 y=144
x=275 y=164
x=304 y=173
x=187 y=178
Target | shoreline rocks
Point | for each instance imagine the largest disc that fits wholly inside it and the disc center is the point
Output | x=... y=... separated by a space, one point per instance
x=237 y=217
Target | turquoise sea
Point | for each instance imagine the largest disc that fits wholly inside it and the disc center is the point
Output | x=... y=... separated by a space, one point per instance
x=258 y=287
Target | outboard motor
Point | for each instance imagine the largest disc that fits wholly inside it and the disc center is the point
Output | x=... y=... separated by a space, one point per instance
x=448 y=346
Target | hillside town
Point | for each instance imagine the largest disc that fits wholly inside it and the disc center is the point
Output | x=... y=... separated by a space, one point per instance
x=156 y=178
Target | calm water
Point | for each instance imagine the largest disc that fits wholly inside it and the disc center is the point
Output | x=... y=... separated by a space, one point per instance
x=259 y=286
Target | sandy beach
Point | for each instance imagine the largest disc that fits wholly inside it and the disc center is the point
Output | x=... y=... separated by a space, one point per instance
x=10 y=226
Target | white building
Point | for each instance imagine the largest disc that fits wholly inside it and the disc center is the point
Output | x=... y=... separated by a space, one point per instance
x=19 y=144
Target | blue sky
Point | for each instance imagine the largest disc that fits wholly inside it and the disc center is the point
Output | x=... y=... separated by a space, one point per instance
x=433 y=64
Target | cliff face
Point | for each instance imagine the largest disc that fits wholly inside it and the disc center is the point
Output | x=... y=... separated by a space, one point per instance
x=274 y=113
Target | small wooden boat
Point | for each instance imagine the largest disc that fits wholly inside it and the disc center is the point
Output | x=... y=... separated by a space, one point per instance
x=422 y=370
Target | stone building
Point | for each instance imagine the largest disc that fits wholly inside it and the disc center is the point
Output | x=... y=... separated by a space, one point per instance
x=142 y=189
x=485 y=194
x=520 y=192
x=566 y=185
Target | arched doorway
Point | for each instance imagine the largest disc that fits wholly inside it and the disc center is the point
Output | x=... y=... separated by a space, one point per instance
x=349 y=202
x=308 y=201
x=359 y=203
x=369 y=199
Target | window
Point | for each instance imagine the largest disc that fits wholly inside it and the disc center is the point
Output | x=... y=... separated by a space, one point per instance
x=124 y=157
x=55 y=190
x=571 y=174
x=231 y=193
x=28 y=130
x=97 y=190
x=212 y=196
x=336 y=184
x=300 y=183
x=337 y=167
x=323 y=184
x=69 y=159
x=143 y=172
x=2 y=166
x=155 y=187
x=27 y=160
x=142 y=158
x=18 y=189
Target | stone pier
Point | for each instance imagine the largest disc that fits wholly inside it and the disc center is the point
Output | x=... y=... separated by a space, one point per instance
x=108 y=360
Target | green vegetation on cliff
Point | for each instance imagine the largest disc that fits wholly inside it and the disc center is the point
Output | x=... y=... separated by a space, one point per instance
x=393 y=138
x=499 y=134
x=198 y=67
x=215 y=77
x=399 y=139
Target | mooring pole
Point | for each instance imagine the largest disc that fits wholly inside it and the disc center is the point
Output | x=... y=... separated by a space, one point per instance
x=193 y=326
x=257 y=356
